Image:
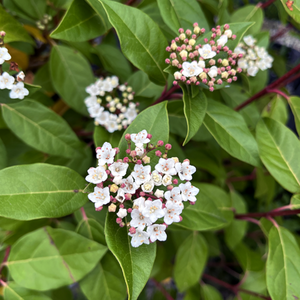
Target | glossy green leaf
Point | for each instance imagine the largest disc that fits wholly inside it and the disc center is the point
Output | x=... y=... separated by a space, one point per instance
x=34 y=9
x=50 y=258
x=42 y=77
x=230 y=131
x=283 y=265
x=105 y=281
x=195 y=105
x=295 y=11
x=136 y=263
x=211 y=210
x=294 y=103
x=279 y=150
x=42 y=128
x=40 y=191
x=182 y=14
x=277 y=110
x=138 y=33
x=3 y=155
x=71 y=74
x=81 y=23
x=190 y=261
x=101 y=135
x=210 y=293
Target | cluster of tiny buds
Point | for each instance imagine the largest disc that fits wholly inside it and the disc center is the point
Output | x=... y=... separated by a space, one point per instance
x=147 y=195
x=43 y=22
x=199 y=64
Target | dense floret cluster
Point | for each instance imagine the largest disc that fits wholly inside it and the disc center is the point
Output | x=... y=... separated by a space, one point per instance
x=111 y=104
x=152 y=198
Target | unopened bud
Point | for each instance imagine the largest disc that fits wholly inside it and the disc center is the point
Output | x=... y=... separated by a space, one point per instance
x=225 y=62
x=146 y=159
x=2 y=33
x=114 y=188
x=112 y=208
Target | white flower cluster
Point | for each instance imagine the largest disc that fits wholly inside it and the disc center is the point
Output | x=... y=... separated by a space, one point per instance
x=153 y=198
x=107 y=93
x=255 y=58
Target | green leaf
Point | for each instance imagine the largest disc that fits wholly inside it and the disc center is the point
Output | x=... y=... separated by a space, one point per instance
x=101 y=135
x=283 y=265
x=279 y=150
x=182 y=14
x=295 y=12
x=194 y=110
x=40 y=191
x=230 y=131
x=277 y=110
x=113 y=61
x=211 y=210
x=42 y=128
x=210 y=293
x=33 y=9
x=81 y=23
x=14 y=30
x=138 y=33
x=3 y=155
x=43 y=79
x=262 y=39
x=50 y=258
x=294 y=103
x=109 y=281
x=136 y=263
x=190 y=261
x=258 y=82
x=71 y=74
x=295 y=201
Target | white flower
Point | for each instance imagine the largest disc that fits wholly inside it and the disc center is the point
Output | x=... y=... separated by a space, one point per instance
x=239 y=50
x=18 y=91
x=269 y=60
x=118 y=169
x=4 y=55
x=117 y=179
x=95 y=110
x=185 y=170
x=122 y=88
x=206 y=52
x=167 y=180
x=228 y=33
x=120 y=195
x=138 y=220
x=201 y=64
x=130 y=114
x=157 y=232
x=139 y=151
x=177 y=75
x=172 y=213
x=222 y=40
x=107 y=86
x=141 y=174
x=139 y=203
x=156 y=178
x=96 y=175
x=92 y=89
x=166 y=166
x=153 y=210
x=139 y=238
x=148 y=186
x=175 y=197
x=130 y=186
x=242 y=63
x=213 y=72
x=262 y=64
x=6 y=81
x=191 y=69
x=252 y=71
x=114 y=81
x=100 y=196
x=103 y=118
x=90 y=101
x=21 y=76
x=140 y=138
x=122 y=213
x=251 y=55
x=249 y=40
x=111 y=125
x=159 y=193
x=188 y=192
x=106 y=154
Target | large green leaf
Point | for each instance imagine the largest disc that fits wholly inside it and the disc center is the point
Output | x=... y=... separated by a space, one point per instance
x=101 y=135
x=136 y=263
x=33 y=9
x=41 y=128
x=210 y=293
x=294 y=103
x=50 y=258
x=105 y=281
x=279 y=150
x=190 y=261
x=295 y=12
x=81 y=23
x=40 y=191
x=141 y=39
x=277 y=109
x=71 y=74
x=283 y=265
x=231 y=132
x=195 y=105
x=182 y=14
x=3 y=155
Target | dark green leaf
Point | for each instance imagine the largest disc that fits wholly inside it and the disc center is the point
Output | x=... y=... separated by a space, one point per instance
x=101 y=135
x=210 y=293
x=294 y=103
x=3 y=155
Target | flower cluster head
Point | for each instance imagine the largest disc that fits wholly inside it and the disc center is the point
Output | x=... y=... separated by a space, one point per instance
x=42 y=24
x=208 y=64
x=145 y=199
x=15 y=85
x=110 y=104
x=255 y=58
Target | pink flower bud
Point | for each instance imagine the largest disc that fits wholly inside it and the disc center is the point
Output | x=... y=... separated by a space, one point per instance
x=223 y=69
x=132 y=230
x=213 y=29
x=98 y=148
x=225 y=48
x=234 y=78
x=212 y=42
x=233 y=37
x=175 y=82
x=239 y=70
x=168 y=49
x=191 y=55
x=128 y=151
x=194 y=36
x=219 y=47
x=188 y=32
x=186 y=41
x=202 y=30
x=158 y=153
x=133 y=153
x=230 y=52
x=180 y=217
x=219 y=60
x=204 y=81
x=142 y=194
x=228 y=68
x=205 y=40
x=170 y=187
x=166 y=225
x=121 y=205
x=179 y=66
x=100 y=185
x=2 y=33
x=219 y=81
x=107 y=172
x=178 y=49
x=175 y=181
x=119 y=220
x=129 y=210
x=160 y=143
x=218 y=51
x=188 y=82
x=184 y=58
x=168 y=146
x=226 y=26
x=99 y=208
x=173 y=55
x=197 y=47
x=229 y=80
x=233 y=62
x=163 y=206
x=167 y=61
x=211 y=89
x=198 y=82
x=181 y=30
x=177 y=39
x=218 y=27
x=127 y=137
x=183 y=78
x=196 y=53
x=138 y=162
x=122 y=224
x=125 y=159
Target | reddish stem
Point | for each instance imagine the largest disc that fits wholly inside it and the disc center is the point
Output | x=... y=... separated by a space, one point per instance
x=176 y=96
x=166 y=95
x=280 y=33
x=250 y=220
x=273 y=221
x=3 y=283
x=5 y=258
x=162 y=289
x=130 y=2
x=266 y=4
x=83 y=213
x=275 y=213
x=255 y=294
x=278 y=92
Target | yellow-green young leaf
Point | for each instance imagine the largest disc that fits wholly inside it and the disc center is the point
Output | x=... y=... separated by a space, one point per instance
x=91 y=229
x=81 y=23
x=136 y=263
x=3 y=155
x=210 y=293
x=277 y=109
x=231 y=132
x=294 y=12
x=190 y=261
x=182 y=14
x=14 y=30
x=105 y=281
x=40 y=191
x=279 y=150
x=41 y=128
x=294 y=103
x=283 y=265
x=49 y=258
x=141 y=39
x=71 y=74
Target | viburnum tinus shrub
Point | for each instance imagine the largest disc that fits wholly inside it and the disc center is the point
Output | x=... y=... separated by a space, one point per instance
x=151 y=151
